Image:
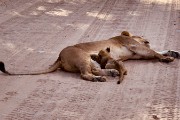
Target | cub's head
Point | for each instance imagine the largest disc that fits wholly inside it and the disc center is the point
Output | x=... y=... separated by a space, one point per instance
x=104 y=53
x=104 y=56
x=139 y=39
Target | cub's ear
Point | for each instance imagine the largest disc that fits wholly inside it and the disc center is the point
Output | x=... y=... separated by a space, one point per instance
x=108 y=49
x=126 y=33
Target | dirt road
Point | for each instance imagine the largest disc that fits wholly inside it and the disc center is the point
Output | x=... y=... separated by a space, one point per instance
x=33 y=32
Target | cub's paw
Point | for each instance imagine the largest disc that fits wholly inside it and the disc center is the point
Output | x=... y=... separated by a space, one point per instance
x=118 y=82
x=99 y=79
x=113 y=72
x=125 y=72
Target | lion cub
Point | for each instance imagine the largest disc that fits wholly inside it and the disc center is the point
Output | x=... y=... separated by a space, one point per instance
x=107 y=62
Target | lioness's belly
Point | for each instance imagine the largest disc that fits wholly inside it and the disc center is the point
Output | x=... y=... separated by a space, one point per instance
x=120 y=52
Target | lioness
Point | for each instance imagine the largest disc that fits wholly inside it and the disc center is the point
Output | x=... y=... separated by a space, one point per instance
x=77 y=58
x=107 y=62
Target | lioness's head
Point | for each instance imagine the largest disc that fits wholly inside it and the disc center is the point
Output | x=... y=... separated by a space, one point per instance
x=139 y=39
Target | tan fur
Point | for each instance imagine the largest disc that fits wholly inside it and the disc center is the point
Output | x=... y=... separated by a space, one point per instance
x=77 y=58
x=107 y=62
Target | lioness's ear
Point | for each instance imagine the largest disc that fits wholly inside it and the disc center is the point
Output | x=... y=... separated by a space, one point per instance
x=126 y=33
x=108 y=49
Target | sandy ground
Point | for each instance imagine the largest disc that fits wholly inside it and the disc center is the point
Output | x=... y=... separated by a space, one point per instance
x=33 y=32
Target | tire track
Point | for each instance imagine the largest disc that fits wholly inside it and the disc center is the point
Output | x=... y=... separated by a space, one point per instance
x=35 y=101
x=53 y=99
x=166 y=93
x=116 y=23
x=150 y=91
x=97 y=24
x=165 y=96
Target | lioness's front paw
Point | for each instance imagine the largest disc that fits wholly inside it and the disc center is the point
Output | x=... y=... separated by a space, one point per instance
x=99 y=79
x=167 y=59
x=174 y=54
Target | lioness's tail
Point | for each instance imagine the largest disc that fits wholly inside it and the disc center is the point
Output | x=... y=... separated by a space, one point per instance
x=53 y=68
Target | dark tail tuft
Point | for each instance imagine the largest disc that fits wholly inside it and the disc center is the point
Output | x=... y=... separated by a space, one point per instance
x=2 y=68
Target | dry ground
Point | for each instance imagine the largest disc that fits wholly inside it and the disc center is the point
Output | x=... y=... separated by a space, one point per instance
x=33 y=32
